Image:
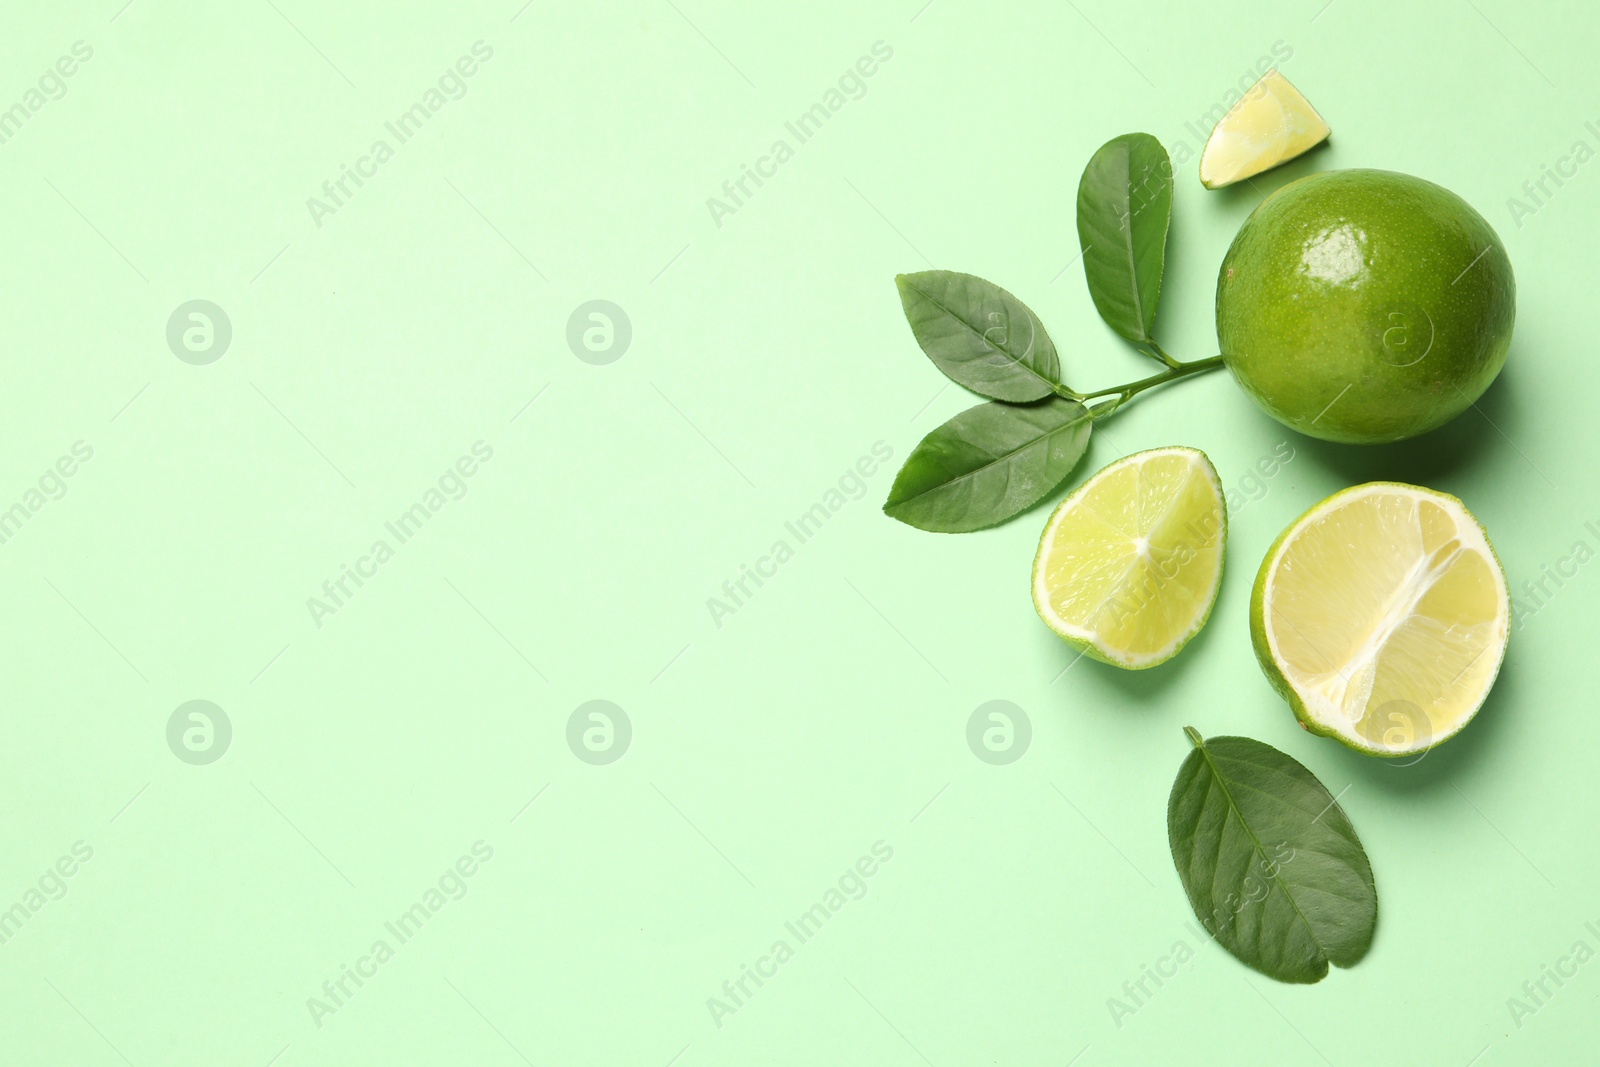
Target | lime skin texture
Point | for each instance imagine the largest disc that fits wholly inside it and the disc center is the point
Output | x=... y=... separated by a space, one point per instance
x=1365 y=306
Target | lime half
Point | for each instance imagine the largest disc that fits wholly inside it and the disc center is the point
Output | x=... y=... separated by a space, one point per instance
x=1130 y=563
x=1381 y=615
x=1272 y=124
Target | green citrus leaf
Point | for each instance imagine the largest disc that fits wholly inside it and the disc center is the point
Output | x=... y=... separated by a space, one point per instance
x=1269 y=860
x=1124 y=209
x=979 y=335
x=989 y=463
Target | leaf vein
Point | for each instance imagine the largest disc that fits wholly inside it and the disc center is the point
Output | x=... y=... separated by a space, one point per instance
x=982 y=336
x=1233 y=807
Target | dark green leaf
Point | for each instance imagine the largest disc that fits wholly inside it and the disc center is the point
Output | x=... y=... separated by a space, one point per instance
x=1271 y=864
x=981 y=336
x=988 y=463
x=1124 y=208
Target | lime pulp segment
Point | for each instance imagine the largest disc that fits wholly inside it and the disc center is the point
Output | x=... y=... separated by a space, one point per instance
x=1270 y=125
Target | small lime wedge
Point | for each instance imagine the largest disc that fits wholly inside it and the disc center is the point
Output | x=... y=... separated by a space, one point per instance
x=1271 y=124
x=1130 y=563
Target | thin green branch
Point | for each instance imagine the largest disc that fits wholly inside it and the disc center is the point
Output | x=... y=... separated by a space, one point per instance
x=1125 y=393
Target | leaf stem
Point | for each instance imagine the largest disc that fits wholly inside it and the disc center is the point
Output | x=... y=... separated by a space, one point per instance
x=1125 y=393
x=1161 y=353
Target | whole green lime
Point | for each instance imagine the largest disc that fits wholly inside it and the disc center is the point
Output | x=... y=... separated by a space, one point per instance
x=1365 y=306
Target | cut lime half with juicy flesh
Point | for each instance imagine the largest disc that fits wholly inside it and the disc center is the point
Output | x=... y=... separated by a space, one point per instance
x=1381 y=615
x=1130 y=563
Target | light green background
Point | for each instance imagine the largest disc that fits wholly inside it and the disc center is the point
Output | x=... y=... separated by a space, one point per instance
x=768 y=353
